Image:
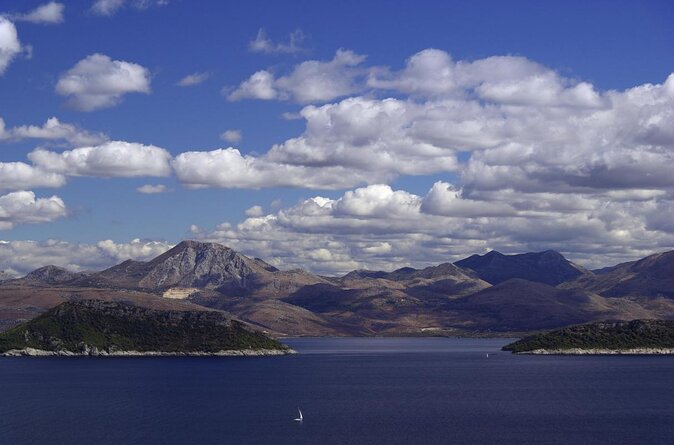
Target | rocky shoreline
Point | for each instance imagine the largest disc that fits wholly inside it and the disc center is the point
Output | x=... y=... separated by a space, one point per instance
x=579 y=351
x=94 y=352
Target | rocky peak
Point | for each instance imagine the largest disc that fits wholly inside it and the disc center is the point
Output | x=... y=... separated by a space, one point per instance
x=51 y=275
x=203 y=265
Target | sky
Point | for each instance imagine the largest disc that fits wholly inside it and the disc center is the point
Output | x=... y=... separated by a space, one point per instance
x=335 y=136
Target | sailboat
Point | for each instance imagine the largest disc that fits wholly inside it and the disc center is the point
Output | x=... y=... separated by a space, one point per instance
x=300 y=418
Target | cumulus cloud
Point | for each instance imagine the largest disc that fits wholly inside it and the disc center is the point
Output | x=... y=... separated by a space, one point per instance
x=21 y=257
x=229 y=168
x=49 y=13
x=52 y=129
x=377 y=227
x=150 y=189
x=519 y=124
x=254 y=211
x=258 y=86
x=232 y=136
x=356 y=141
x=445 y=199
x=501 y=79
x=111 y=7
x=19 y=175
x=263 y=44
x=309 y=82
x=193 y=79
x=10 y=45
x=97 y=82
x=111 y=159
x=23 y=207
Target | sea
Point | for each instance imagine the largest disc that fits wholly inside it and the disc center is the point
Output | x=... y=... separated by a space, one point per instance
x=350 y=391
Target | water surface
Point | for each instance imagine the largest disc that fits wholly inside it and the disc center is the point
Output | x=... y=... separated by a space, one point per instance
x=352 y=391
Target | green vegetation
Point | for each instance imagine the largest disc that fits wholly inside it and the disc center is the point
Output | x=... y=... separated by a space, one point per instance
x=110 y=326
x=619 y=335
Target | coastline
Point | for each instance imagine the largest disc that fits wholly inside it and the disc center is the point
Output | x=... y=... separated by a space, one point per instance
x=594 y=351
x=94 y=352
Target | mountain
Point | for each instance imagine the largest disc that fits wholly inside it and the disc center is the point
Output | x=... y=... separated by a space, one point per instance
x=49 y=275
x=94 y=327
x=4 y=276
x=205 y=266
x=605 y=337
x=532 y=291
x=547 y=267
x=650 y=277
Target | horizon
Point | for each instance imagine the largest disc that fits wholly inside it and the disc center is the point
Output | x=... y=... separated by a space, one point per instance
x=335 y=137
x=412 y=266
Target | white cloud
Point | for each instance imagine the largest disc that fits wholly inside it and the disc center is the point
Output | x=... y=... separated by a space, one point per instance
x=23 y=207
x=22 y=257
x=232 y=136
x=228 y=168
x=254 y=211
x=19 y=175
x=258 y=86
x=500 y=79
x=309 y=82
x=106 y=7
x=100 y=82
x=376 y=227
x=52 y=129
x=193 y=79
x=111 y=7
x=150 y=189
x=10 y=46
x=263 y=44
x=429 y=71
x=445 y=199
x=48 y=13
x=111 y=159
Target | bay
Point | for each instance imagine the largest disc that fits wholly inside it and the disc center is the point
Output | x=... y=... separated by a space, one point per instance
x=351 y=391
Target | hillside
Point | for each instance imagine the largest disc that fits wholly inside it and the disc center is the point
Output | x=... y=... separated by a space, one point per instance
x=637 y=336
x=94 y=327
x=650 y=277
x=520 y=305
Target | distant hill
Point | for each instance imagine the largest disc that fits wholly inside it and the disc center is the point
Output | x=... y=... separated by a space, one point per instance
x=49 y=275
x=94 y=327
x=547 y=267
x=637 y=336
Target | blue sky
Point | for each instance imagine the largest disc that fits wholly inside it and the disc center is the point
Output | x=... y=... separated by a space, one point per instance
x=353 y=97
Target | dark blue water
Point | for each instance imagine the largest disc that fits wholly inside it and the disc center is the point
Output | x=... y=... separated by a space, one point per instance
x=352 y=391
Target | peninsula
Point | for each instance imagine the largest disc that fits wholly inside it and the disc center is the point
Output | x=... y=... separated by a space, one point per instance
x=106 y=328
x=607 y=337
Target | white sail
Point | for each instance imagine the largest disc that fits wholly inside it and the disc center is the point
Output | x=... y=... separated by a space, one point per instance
x=300 y=418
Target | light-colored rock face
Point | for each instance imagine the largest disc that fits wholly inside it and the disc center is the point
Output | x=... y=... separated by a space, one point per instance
x=179 y=293
x=201 y=265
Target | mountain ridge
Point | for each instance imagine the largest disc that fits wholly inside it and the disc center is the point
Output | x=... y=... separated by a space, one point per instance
x=445 y=299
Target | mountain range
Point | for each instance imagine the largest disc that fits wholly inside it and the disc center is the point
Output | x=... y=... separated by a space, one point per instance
x=491 y=294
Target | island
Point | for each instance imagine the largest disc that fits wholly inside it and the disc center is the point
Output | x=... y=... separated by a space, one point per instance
x=113 y=328
x=606 y=337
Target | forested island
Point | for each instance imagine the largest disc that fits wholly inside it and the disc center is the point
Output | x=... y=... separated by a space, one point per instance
x=105 y=328
x=607 y=337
